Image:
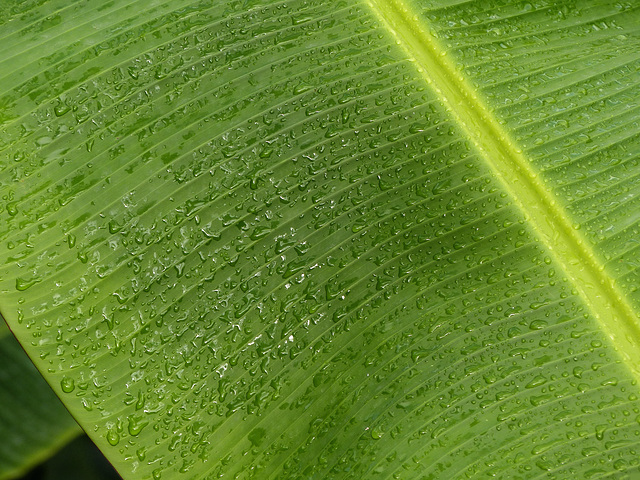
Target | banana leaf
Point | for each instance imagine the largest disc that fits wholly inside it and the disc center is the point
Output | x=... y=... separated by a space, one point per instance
x=345 y=240
x=33 y=422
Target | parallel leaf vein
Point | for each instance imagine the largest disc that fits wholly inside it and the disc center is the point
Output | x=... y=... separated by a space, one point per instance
x=513 y=170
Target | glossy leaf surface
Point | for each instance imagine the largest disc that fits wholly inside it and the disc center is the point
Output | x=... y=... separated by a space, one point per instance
x=327 y=240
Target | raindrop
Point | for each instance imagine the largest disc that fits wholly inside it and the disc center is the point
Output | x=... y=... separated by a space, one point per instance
x=67 y=384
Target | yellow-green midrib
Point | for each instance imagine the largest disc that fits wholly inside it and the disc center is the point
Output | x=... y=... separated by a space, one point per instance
x=512 y=167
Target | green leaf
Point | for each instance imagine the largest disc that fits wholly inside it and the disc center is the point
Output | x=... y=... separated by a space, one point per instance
x=318 y=239
x=78 y=459
x=33 y=422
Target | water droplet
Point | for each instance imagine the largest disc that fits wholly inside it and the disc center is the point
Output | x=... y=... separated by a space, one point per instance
x=22 y=284
x=538 y=324
x=141 y=453
x=536 y=382
x=67 y=384
x=136 y=424
x=12 y=209
x=112 y=437
x=60 y=109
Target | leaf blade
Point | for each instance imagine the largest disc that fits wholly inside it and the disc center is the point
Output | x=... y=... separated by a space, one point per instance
x=524 y=183
x=34 y=422
x=243 y=283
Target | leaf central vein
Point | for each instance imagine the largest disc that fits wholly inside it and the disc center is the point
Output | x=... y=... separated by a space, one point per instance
x=512 y=168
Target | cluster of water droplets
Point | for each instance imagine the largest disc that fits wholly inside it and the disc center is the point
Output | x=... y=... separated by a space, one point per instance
x=255 y=245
